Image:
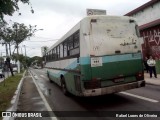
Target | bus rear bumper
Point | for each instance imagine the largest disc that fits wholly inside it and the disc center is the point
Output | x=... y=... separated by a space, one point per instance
x=114 y=89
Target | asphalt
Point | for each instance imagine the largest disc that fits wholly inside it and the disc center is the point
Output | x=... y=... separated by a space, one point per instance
x=31 y=100
x=31 y=96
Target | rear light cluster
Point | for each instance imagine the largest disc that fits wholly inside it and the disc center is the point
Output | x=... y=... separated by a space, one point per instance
x=92 y=84
x=140 y=76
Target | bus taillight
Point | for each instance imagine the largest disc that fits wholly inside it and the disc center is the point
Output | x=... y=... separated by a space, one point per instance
x=140 y=76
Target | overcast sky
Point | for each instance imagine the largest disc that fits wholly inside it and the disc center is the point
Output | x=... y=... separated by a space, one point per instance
x=56 y=17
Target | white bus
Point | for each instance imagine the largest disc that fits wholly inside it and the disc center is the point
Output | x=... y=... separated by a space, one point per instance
x=100 y=55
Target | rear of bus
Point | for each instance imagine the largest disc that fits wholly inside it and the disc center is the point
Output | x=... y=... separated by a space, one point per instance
x=110 y=55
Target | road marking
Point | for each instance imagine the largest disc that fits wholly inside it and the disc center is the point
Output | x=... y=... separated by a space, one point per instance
x=140 y=97
x=36 y=77
x=43 y=97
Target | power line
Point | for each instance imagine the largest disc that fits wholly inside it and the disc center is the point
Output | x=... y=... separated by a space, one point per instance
x=42 y=37
x=43 y=41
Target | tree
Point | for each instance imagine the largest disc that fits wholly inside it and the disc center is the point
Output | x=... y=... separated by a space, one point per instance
x=21 y=32
x=16 y=34
x=7 y=37
x=8 y=7
x=34 y=60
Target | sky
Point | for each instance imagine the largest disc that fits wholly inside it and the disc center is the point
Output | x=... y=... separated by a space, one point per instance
x=57 y=17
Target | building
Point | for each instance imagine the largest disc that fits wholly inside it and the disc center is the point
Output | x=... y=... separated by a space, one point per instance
x=148 y=18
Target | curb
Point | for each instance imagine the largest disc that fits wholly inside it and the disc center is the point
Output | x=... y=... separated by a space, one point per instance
x=15 y=98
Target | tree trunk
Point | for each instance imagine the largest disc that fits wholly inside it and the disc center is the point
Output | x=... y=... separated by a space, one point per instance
x=18 y=58
x=6 y=50
x=11 y=69
x=17 y=52
x=10 y=49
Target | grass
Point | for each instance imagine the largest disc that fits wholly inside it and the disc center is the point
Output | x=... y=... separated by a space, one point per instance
x=7 y=90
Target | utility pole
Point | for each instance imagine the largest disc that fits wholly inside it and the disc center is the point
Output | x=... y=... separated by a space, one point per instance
x=25 y=55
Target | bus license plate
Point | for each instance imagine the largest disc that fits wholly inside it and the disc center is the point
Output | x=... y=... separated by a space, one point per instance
x=119 y=80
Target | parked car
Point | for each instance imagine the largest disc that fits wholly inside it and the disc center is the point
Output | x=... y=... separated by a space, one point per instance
x=1 y=73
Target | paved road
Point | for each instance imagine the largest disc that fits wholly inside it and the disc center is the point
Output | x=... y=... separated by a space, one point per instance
x=141 y=99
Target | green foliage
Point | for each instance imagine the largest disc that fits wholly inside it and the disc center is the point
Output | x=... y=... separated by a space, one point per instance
x=33 y=60
x=17 y=34
x=20 y=33
x=8 y=7
x=1 y=59
x=6 y=35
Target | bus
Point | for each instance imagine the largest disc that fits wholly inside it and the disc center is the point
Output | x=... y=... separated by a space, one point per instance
x=99 y=55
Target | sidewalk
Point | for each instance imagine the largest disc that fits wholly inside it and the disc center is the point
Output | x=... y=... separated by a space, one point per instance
x=153 y=80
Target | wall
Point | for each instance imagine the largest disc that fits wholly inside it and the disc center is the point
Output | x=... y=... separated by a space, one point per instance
x=148 y=15
x=151 y=37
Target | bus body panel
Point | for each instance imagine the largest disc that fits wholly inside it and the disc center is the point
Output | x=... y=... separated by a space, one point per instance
x=108 y=36
x=110 y=59
x=65 y=68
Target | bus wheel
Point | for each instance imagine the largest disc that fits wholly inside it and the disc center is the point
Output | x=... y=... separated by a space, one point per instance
x=64 y=88
x=49 y=78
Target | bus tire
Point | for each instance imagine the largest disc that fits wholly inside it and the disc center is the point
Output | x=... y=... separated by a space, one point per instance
x=49 y=78
x=63 y=86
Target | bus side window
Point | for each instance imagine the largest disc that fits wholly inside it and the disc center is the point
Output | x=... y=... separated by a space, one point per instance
x=61 y=50
x=76 y=40
x=55 y=53
x=75 y=50
x=70 y=45
x=65 y=49
x=58 y=52
x=50 y=55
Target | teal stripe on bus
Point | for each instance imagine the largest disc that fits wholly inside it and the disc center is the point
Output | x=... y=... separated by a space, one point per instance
x=73 y=65
x=115 y=58
x=105 y=59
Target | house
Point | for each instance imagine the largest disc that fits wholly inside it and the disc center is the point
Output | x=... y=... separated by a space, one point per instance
x=148 y=18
